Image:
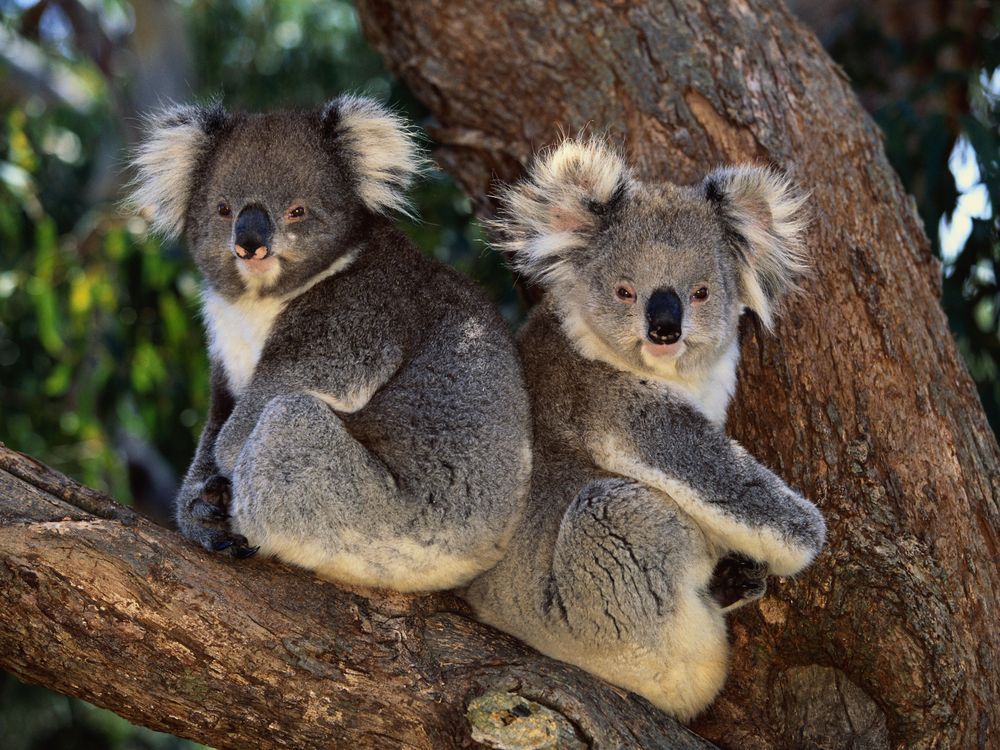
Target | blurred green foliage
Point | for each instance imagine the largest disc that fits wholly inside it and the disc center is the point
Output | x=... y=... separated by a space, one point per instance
x=99 y=329
x=91 y=311
x=32 y=718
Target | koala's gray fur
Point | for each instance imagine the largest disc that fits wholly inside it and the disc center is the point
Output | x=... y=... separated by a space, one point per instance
x=637 y=494
x=369 y=419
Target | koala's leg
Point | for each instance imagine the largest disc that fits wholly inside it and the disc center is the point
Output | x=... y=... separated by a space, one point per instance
x=305 y=490
x=629 y=582
x=202 y=504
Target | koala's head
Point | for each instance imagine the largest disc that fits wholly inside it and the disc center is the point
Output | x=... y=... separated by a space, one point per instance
x=267 y=201
x=653 y=278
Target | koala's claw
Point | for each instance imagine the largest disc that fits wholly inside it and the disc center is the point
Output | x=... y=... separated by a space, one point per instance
x=738 y=580
x=242 y=551
x=209 y=512
x=237 y=544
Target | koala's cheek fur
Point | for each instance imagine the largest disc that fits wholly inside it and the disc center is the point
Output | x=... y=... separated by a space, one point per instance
x=578 y=326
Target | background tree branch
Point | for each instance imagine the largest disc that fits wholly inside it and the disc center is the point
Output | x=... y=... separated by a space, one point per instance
x=102 y=604
x=860 y=400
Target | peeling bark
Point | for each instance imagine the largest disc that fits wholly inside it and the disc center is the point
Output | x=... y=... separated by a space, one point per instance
x=99 y=603
x=860 y=400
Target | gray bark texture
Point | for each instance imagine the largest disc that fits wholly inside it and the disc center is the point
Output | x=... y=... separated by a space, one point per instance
x=860 y=400
x=98 y=602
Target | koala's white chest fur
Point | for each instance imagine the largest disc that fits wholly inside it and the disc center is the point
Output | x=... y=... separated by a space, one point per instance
x=712 y=394
x=237 y=331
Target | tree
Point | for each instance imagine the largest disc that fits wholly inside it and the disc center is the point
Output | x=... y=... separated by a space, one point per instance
x=860 y=400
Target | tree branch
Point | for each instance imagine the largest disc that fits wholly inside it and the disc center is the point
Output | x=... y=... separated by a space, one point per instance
x=102 y=604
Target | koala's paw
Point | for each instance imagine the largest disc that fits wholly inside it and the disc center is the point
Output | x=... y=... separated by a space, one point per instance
x=737 y=580
x=208 y=515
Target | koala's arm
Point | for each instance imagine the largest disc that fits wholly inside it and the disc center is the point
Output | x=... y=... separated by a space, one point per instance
x=343 y=376
x=742 y=505
x=204 y=466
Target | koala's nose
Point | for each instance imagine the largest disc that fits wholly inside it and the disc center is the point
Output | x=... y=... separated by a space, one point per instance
x=664 y=314
x=252 y=234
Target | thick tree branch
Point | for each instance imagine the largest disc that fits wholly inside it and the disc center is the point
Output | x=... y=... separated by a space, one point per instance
x=100 y=603
x=861 y=399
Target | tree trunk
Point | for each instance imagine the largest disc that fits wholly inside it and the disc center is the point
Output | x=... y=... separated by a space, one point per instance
x=99 y=603
x=860 y=400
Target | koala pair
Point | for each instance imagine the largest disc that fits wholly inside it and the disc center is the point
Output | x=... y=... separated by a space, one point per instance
x=369 y=419
x=645 y=523
x=369 y=416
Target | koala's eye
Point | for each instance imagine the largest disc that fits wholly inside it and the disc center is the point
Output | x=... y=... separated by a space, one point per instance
x=224 y=209
x=625 y=292
x=295 y=212
x=700 y=294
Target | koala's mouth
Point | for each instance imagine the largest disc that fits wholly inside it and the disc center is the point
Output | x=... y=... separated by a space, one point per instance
x=259 y=273
x=664 y=350
x=258 y=265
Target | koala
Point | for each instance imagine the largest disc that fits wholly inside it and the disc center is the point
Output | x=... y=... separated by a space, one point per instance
x=645 y=522
x=369 y=419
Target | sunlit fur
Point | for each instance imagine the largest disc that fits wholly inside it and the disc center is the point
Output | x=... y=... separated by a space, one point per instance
x=164 y=166
x=384 y=153
x=763 y=207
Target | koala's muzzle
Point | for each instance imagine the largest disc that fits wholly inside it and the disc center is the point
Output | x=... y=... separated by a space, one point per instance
x=664 y=314
x=252 y=234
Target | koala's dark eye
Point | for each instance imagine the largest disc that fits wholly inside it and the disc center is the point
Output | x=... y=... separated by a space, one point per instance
x=700 y=294
x=625 y=292
x=295 y=212
x=224 y=209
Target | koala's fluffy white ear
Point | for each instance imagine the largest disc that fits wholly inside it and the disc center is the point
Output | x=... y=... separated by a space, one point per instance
x=765 y=218
x=166 y=162
x=380 y=149
x=563 y=200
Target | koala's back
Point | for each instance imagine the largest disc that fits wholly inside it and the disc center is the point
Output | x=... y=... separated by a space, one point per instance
x=459 y=390
x=461 y=382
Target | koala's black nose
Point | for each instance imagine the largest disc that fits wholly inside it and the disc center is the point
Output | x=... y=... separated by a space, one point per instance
x=664 y=313
x=252 y=234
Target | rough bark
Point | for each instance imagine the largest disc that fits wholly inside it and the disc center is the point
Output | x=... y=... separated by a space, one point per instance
x=97 y=602
x=861 y=400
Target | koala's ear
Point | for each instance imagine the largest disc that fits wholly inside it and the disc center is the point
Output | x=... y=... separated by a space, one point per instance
x=764 y=217
x=379 y=150
x=167 y=159
x=567 y=196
